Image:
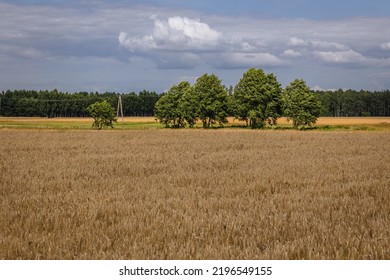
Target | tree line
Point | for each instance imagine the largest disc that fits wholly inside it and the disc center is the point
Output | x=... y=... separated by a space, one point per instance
x=54 y=103
x=31 y=103
x=352 y=103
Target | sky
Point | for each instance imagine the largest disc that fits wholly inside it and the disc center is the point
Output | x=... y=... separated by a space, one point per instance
x=126 y=46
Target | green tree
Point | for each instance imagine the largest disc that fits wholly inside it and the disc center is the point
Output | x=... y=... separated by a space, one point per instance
x=168 y=108
x=131 y=104
x=148 y=100
x=300 y=104
x=189 y=105
x=211 y=97
x=102 y=113
x=257 y=98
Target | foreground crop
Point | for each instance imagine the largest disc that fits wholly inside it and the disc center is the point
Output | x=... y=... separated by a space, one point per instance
x=194 y=194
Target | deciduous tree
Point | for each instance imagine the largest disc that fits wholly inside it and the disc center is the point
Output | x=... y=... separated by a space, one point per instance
x=102 y=113
x=257 y=98
x=212 y=100
x=169 y=108
x=300 y=104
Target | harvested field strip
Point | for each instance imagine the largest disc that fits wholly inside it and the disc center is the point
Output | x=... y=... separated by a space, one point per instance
x=352 y=120
x=194 y=194
x=335 y=123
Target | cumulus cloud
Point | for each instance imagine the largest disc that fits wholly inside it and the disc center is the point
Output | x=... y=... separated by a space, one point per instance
x=181 y=42
x=291 y=53
x=385 y=46
x=315 y=44
x=318 y=88
x=175 y=33
x=341 y=57
x=136 y=44
x=183 y=28
x=296 y=42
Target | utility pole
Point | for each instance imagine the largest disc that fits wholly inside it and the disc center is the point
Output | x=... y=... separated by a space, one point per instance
x=120 y=108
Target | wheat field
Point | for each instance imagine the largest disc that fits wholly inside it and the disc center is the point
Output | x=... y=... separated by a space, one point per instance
x=194 y=194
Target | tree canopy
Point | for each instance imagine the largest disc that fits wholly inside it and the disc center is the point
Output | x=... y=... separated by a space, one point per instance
x=257 y=98
x=169 y=108
x=103 y=114
x=300 y=105
x=184 y=104
x=211 y=97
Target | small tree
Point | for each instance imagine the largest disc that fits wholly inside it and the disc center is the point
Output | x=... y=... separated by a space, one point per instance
x=102 y=113
x=300 y=104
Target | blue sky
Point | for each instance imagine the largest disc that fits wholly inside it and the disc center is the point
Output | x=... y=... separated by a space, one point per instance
x=134 y=45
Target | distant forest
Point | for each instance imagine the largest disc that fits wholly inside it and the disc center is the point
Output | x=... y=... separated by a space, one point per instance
x=31 y=103
x=352 y=103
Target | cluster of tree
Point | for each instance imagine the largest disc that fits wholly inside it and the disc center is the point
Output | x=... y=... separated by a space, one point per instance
x=354 y=103
x=30 y=103
x=183 y=104
x=257 y=99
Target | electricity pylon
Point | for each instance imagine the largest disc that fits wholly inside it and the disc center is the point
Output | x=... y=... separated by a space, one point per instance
x=120 y=108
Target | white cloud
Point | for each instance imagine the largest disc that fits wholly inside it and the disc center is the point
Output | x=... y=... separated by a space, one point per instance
x=342 y=57
x=296 y=42
x=136 y=44
x=385 y=46
x=193 y=29
x=291 y=53
x=315 y=44
x=181 y=42
x=175 y=33
x=318 y=88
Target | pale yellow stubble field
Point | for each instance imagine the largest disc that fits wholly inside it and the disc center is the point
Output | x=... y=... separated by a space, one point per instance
x=194 y=194
x=320 y=121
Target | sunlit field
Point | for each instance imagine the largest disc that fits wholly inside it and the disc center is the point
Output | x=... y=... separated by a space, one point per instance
x=75 y=123
x=351 y=120
x=194 y=194
x=328 y=123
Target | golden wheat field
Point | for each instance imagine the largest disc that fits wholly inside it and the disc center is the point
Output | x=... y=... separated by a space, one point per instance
x=194 y=194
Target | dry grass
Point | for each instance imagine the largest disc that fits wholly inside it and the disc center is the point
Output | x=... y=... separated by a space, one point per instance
x=65 y=120
x=194 y=194
x=44 y=120
x=321 y=121
x=352 y=120
x=75 y=123
x=342 y=121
